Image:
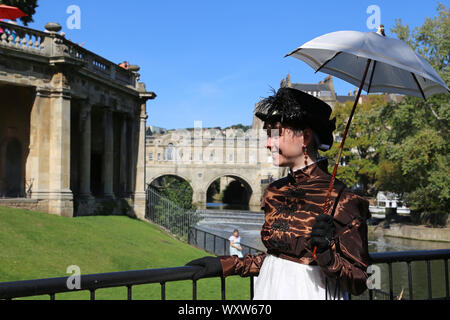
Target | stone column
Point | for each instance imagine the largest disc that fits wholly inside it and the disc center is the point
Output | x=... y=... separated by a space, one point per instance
x=37 y=146
x=108 y=155
x=85 y=151
x=199 y=199
x=131 y=124
x=139 y=192
x=60 y=195
x=255 y=199
x=123 y=157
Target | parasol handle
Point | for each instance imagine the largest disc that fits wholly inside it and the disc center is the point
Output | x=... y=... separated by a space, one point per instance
x=326 y=204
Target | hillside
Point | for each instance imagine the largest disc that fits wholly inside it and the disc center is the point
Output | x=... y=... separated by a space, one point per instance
x=38 y=245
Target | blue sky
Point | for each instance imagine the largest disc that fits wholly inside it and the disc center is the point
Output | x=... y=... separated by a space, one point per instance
x=213 y=60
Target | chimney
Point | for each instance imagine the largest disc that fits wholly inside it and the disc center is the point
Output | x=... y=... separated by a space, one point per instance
x=350 y=93
x=329 y=83
x=288 y=80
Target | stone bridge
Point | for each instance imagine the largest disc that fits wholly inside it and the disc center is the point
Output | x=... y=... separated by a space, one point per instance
x=72 y=126
x=205 y=155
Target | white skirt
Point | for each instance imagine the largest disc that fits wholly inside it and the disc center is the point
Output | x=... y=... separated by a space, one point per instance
x=281 y=279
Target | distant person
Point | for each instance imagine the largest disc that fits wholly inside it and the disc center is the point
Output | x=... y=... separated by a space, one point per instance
x=235 y=244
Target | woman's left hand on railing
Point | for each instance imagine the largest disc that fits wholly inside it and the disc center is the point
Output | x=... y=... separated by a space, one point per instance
x=211 y=267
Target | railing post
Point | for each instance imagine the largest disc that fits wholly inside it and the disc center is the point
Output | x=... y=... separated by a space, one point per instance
x=391 y=286
x=410 y=281
x=194 y=290
x=129 y=293
x=163 y=291
x=204 y=240
x=252 y=287
x=222 y=287
x=447 y=295
x=430 y=294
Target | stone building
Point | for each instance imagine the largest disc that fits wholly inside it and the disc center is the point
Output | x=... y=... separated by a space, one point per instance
x=72 y=127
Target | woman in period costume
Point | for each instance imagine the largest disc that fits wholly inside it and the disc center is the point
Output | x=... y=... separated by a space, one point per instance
x=235 y=244
x=298 y=126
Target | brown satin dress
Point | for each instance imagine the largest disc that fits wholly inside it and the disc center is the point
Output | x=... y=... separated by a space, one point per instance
x=291 y=205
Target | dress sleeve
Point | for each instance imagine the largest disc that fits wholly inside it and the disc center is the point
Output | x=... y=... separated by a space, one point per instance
x=247 y=266
x=348 y=258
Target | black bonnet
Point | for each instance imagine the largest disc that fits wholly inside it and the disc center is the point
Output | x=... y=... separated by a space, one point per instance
x=299 y=110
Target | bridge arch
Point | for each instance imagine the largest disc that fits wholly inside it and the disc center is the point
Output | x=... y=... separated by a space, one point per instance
x=151 y=180
x=156 y=177
x=245 y=198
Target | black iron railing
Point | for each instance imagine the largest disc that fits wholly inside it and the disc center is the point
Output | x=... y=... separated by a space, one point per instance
x=219 y=245
x=169 y=215
x=129 y=279
x=93 y=282
x=408 y=257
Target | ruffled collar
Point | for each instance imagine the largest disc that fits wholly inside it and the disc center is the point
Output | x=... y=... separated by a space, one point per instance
x=307 y=172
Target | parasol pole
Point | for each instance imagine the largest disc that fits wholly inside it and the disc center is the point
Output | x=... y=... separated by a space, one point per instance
x=326 y=205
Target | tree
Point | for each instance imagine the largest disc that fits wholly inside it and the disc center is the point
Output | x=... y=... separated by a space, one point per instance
x=414 y=156
x=27 y=6
x=176 y=190
x=359 y=158
x=239 y=126
x=413 y=145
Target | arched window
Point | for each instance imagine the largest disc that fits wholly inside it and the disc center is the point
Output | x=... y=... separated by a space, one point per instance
x=170 y=152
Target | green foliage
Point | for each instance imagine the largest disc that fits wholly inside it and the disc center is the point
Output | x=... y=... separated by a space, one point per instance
x=239 y=126
x=27 y=6
x=413 y=145
x=359 y=155
x=178 y=191
x=432 y=219
x=431 y=39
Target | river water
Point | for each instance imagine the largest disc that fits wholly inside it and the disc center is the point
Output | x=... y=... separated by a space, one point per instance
x=249 y=230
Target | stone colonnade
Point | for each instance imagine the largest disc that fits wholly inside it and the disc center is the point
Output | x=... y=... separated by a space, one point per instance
x=57 y=150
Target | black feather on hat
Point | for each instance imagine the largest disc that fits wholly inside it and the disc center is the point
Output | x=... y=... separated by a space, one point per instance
x=299 y=110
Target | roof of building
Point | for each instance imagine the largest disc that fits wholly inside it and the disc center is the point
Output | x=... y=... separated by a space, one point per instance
x=306 y=87
x=344 y=99
x=155 y=130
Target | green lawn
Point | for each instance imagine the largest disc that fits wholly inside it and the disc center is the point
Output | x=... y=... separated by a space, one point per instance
x=37 y=245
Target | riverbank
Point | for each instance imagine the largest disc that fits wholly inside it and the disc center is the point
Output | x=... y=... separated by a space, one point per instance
x=414 y=232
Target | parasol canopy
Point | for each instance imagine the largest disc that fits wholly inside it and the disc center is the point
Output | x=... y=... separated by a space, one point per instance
x=10 y=13
x=395 y=67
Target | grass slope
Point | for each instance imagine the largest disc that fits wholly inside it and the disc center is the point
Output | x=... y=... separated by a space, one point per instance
x=37 y=245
